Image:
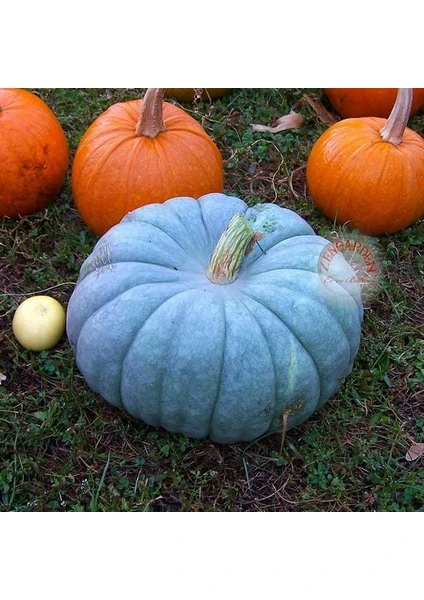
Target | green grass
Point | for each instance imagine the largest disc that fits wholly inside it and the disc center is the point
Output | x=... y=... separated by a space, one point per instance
x=64 y=449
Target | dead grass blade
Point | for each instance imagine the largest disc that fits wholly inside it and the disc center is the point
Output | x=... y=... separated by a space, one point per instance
x=327 y=117
x=291 y=121
x=414 y=452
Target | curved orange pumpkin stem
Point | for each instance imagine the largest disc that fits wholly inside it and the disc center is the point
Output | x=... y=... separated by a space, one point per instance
x=398 y=119
x=151 y=123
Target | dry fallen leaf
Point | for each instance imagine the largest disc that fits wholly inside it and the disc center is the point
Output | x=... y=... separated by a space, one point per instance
x=2 y=377
x=317 y=106
x=290 y=121
x=414 y=452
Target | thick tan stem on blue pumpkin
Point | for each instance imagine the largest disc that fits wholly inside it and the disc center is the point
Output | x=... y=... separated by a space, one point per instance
x=398 y=119
x=151 y=123
x=233 y=245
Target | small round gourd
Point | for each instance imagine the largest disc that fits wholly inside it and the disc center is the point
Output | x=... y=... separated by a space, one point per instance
x=179 y=317
x=39 y=323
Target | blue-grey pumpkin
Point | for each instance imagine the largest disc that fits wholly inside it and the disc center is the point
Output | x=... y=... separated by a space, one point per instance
x=182 y=319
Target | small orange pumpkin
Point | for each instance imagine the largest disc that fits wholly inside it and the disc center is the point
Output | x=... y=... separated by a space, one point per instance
x=140 y=152
x=369 y=102
x=368 y=172
x=33 y=153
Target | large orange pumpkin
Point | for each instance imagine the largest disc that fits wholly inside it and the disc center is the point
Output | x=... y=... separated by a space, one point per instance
x=368 y=172
x=140 y=152
x=369 y=102
x=33 y=153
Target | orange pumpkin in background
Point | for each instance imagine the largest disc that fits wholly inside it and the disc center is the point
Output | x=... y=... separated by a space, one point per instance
x=190 y=94
x=368 y=172
x=140 y=152
x=369 y=102
x=33 y=153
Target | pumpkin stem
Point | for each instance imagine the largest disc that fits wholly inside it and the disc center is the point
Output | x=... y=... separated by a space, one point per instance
x=396 y=124
x=233 y=245
x=151 y=123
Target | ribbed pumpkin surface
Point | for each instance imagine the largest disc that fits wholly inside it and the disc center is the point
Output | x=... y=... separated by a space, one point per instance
x=153 y=335
x=116 y=171
x=33 y=153
x=357 y=179
x=369 y=102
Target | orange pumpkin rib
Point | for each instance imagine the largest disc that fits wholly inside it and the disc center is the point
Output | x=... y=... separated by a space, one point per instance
x=153 y=180
x=164 y=162
x=33 y=152
x=340 y=155
x=46 y=129
x=176 y=119
x=199 y=156
x=136 y=183
x=148 y=167
x=404 y=199
x=414 y=179
x=361 y=196
x=89 y=184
